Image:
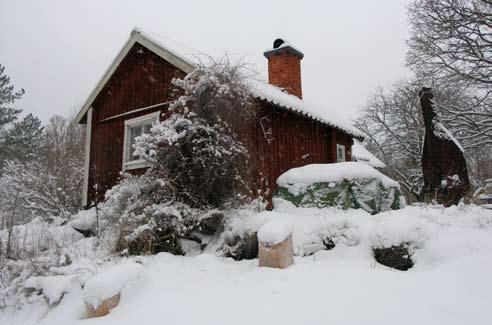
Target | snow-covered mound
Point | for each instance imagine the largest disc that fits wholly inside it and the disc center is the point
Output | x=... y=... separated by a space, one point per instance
x=343 y=185
x=84 y=220
x=52 y=287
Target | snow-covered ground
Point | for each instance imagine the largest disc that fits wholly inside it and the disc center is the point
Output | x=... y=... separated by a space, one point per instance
x=449 y=284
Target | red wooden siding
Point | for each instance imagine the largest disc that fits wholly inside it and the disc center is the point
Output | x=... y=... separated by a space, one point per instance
x=295 y=141
x=144 y=79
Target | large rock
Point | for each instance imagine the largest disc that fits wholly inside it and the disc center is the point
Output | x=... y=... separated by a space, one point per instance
x=243 y=247
x=343 y=185
x=396 y=257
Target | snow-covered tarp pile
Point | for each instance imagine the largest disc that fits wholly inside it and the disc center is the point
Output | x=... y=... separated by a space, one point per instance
x=449 y=283
x=343 y=185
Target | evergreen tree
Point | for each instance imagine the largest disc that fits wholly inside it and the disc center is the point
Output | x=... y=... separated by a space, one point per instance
x=23 y=140
x=7 y=96
x=7 y=114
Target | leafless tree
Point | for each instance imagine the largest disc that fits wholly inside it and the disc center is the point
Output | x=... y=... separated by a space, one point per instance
x=451 y=44
x=452 y=39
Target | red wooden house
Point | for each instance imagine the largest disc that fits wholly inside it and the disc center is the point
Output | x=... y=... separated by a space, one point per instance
x=136 y=90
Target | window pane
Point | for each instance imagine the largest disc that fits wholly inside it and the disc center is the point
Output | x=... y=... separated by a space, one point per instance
x=134 y=132
x=146 y=128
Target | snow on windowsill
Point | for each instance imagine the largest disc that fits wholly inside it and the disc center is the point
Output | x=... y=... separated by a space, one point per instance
x=136 y=164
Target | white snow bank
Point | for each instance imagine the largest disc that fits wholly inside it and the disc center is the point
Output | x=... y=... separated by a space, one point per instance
x=325 y=173
x=110 y=282
x=360 y=153
x=84 y=219
x=449 y=284
x=275 y=231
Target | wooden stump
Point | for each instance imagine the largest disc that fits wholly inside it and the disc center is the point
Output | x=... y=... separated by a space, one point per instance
x=104 y=308
x=278 y=256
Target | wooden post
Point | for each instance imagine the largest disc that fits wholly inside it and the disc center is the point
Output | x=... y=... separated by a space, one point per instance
x=103 y=308
x=278 y=256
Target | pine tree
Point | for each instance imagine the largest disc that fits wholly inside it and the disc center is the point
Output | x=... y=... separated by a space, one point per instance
x=7 y=114
x=23 y=140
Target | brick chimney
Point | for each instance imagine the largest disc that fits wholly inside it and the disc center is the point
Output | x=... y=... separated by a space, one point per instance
x=284 y=67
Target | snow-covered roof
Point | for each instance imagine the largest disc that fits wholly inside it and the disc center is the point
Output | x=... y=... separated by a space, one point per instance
x=275 y=95
x=360 y=153
x=186 y=58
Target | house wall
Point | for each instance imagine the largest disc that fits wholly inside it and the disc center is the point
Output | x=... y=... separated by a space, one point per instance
x=142 y=79
x=283 y=140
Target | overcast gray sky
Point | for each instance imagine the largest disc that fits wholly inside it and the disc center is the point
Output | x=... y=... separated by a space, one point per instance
x=58 y=50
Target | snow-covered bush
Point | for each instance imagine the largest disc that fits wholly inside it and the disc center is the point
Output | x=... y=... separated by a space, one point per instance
x=343 y=185
x=196 y=163
x=45 y=179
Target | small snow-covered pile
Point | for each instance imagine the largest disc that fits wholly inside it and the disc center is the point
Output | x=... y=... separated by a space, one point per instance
x=52 y=287
x=110 y=282
x=343 y=185
x=84 y=220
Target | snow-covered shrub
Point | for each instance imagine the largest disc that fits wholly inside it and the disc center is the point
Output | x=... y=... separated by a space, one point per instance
x=46 y=180
x=196 y=164
x=196 y=152
x=343 y=185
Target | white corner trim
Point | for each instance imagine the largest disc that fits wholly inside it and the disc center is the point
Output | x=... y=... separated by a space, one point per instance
x=140 y=120
x=135 y=37
x=87 y=157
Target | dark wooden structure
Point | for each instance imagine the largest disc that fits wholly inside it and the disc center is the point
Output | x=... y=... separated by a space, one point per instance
x=443 y=163
x=139 y=82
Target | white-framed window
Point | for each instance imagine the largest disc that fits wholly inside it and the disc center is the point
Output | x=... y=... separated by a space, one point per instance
x=340 y=152
x=134 y=128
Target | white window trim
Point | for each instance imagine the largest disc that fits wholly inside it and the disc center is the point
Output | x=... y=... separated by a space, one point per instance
x=141 y=120
x=344 y=158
